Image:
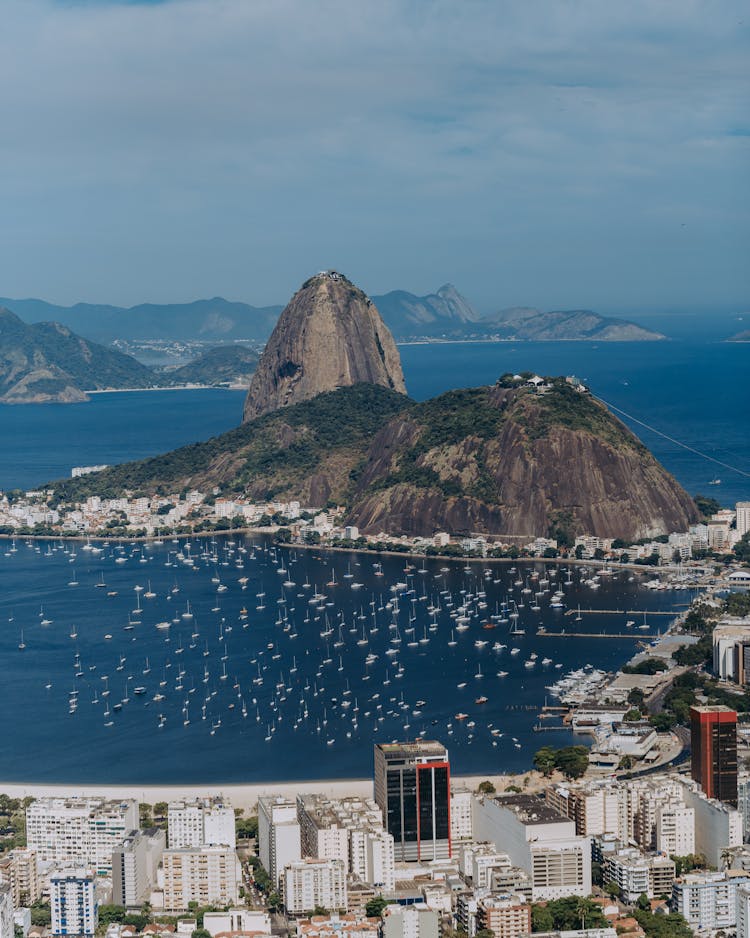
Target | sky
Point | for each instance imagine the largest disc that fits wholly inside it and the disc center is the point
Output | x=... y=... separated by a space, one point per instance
x=558 y=154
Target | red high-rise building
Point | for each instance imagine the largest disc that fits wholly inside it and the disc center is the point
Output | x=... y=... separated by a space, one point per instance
x=713 y=738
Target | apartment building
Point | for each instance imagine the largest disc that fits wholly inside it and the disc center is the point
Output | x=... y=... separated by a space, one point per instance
x=206 y=875
x=73 y=903
x=312 y=883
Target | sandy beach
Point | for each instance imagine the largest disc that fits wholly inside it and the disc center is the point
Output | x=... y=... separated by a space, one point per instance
x=246 y=796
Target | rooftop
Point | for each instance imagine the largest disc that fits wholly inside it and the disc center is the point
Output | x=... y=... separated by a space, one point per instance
x=529 y=809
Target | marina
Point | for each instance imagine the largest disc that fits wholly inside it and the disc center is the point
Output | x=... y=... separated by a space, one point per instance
x=228 y=657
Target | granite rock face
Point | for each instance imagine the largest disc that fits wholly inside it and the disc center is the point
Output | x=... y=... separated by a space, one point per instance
x=329 y=336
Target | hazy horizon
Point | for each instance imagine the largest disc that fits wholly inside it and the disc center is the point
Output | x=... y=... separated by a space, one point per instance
x=558 y=155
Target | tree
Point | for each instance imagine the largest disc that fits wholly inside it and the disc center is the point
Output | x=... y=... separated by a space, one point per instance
x=544 y=760
x=200 y=933
x=374 y=908
x=612 y=889
x=485 y=933
x=572 y=761
x=643 y=903
x=487 y=788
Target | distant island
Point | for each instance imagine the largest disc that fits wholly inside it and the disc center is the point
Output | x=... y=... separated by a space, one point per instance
x=46 y=362
x=743 y=336
x=445 y=315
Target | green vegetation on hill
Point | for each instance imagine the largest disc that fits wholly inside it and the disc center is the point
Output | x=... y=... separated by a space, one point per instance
x=46 y=360
x=221 y=365
x=279 y=448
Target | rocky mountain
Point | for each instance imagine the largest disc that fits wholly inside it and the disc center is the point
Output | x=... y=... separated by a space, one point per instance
x=329 y=336
x=47 y=362
x=225 y=364
x=214 y=320
x=505 y=459
x=524 y=323
x=445 y=313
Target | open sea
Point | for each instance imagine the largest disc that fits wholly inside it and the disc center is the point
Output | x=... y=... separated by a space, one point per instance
x=205 y=686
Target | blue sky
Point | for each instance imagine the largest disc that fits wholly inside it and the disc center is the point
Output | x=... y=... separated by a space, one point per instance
x=560 y=154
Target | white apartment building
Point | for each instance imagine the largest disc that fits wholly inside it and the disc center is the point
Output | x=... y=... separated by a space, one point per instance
x=675 y=829
x=717 y=826
x=79 y=832
x=203 y=821
x=638 y=875
x=708 y=901
x=279 y=836
x=244 y=920
x=743 y=518
x=743 y=911
x=350 y=830
x=311 y=883
x=134 y=865
x=19 y=869
x=596 y=809
x=410 y=921
x=462 y=806
x=73 y=904
x=206 y=875
x=541 y=841
x=6 y=911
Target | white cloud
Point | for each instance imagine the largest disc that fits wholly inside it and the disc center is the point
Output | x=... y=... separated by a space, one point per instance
x=195 y=146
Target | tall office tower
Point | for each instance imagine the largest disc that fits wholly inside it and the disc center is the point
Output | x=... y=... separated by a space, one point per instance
x=713 y=738
x=412 y=789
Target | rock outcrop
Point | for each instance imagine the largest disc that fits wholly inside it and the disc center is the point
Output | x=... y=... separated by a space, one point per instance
x=329 y=336
x=506 y=460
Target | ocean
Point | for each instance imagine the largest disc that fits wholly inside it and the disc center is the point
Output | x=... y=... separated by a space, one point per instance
x=221 y=690
x=226 y=660
x=694 y=391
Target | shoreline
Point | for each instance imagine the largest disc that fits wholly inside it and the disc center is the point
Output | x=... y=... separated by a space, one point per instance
x=244 y=795
x=174 y=387
x=156 y=539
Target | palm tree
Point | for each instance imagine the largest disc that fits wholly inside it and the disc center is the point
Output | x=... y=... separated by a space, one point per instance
x=582 y=907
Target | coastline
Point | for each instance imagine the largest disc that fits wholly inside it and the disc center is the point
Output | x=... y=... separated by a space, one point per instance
x=245 y=796
x=171 y=387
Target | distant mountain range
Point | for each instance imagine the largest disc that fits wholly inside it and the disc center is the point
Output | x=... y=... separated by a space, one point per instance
x=445 y=314
x=215 y=320
x=48 y=362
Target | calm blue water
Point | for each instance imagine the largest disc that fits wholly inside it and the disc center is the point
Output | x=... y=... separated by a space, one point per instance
x=285 y=691
x=694 y=391
x=41 y=442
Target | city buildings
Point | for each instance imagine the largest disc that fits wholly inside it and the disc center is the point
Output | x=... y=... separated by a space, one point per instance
x=279 y=835
x=410 y=921
x=541 y=841
x=312 y=883
x=73 y=903
x=203 y=821
x=412 y=789
x=506 y=916
x=6 y=911
x=18 y=869
x=79 y=831
x=713 y=738
x=206 y=875
x=708 y=901
x=351 y=830
x=134 y=865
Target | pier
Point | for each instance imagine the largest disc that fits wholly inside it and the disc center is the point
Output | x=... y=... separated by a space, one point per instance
x=543 y=633
x=619 y=612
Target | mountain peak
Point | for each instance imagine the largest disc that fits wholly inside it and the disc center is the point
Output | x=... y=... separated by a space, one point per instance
x=330 y=335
